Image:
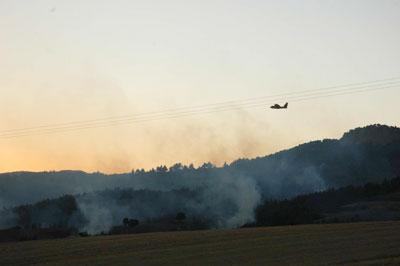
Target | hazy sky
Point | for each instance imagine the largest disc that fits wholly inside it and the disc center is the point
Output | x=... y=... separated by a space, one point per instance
x=64 y=61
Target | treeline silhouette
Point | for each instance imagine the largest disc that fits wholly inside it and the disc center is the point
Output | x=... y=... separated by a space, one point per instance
x=314 y=207
x=224 y=196
x=362 y=155
x=62 y=212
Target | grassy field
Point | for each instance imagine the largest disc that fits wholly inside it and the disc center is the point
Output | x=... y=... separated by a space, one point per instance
x=351 y=244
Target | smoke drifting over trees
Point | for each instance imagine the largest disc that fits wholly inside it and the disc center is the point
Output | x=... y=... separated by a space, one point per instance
x=224 y=196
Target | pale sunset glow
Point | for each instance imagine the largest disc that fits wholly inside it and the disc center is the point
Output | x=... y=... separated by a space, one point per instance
x=66 y=61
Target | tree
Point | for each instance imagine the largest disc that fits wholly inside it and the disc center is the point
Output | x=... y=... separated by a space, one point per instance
x=176 y=167
x=161 y=169
x=133 y=222
x=180 y=216
x=130 y=222
x=125 y=221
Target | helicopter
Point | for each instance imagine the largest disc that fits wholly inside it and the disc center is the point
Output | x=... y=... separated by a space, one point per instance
x=277 y=106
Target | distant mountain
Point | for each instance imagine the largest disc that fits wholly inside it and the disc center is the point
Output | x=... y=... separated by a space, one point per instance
x=230 y=193
x=362 y=155
x=374 y=134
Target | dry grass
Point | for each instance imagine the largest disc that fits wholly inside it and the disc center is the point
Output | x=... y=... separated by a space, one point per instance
x=359 y=244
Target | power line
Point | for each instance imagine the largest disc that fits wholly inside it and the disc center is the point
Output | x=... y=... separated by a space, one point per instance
x=181 y=114
x=237 y=102
x=172 y=115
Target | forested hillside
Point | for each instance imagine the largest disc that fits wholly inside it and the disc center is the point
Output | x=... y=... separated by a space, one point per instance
x=225 y=196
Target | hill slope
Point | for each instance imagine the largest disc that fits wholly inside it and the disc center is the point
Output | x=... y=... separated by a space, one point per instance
x=371 y=202
x=228 y=195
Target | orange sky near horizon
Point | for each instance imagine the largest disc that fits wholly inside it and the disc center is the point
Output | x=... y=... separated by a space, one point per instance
x=63 y=61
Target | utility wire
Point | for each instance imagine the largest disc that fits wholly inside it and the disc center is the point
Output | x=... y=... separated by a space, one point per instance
x=180 y=114
x=222 y=108
x=201 y=107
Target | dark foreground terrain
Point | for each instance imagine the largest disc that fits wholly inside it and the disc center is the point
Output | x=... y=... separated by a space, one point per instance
x=375 y=243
